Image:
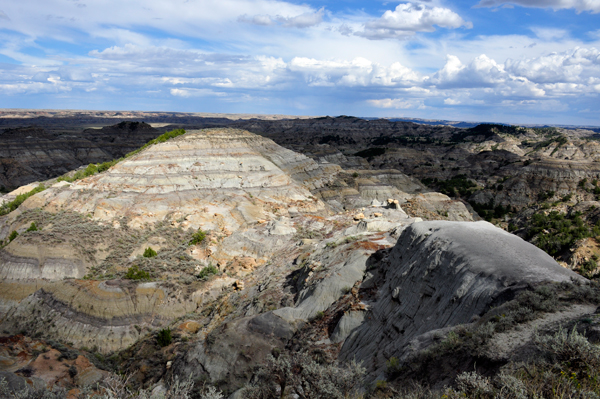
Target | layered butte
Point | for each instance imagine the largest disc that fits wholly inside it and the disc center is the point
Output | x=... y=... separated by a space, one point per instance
x=209 y=177
x=240 y=188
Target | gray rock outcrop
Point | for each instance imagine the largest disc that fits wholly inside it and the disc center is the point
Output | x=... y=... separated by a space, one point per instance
x=442 y=274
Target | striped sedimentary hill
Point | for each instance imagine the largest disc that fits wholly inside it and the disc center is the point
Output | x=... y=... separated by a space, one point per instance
x=223 y=181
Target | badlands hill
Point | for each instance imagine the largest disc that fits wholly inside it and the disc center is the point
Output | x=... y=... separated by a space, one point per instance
x=256 y=251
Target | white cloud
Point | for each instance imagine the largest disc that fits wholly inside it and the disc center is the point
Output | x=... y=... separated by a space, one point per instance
x=263 y=20
x=304 y=20
x=358 y=72
x=397 y=103
x=550 y=34
x=575 y=66
x=481 y=72
x=579 y=5
x=409 y=18
x=191 y=92
x=4 y=16
x=451 y=101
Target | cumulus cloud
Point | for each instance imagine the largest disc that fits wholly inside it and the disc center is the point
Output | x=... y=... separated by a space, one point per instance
x=485 y=74
x=304 y=20
x=579 y=5
x=409 y=18
x=481 y=72
x=358 y=72
x=578 y=65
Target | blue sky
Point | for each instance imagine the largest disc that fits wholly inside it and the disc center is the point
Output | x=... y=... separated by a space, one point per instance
x=525 y=61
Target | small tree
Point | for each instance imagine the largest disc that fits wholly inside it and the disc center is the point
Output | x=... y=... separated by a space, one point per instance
x=149 y=253
x=164 y=337
x=208 y=271
x=32 y=227
x=198 y=237
x=135 y=273
x=13 y=235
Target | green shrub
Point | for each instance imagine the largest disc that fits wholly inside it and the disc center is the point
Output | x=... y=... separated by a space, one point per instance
x=13 y=235
x=135 y=273
x=92 y=169
x=164 y=337
x=556 y=232
x=32 y=227
x=149 y=253
x=8 y=207
x=393 y=367
x=198 y=237
x=207 y=272
x=160 y=139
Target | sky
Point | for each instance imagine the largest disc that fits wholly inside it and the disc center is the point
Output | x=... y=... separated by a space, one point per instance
x=523 y=61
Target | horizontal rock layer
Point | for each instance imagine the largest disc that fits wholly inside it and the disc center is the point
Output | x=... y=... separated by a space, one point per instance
x=93 y=313
x=211 y=176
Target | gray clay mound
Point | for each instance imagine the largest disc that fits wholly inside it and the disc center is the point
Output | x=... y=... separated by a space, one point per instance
x=441 y=274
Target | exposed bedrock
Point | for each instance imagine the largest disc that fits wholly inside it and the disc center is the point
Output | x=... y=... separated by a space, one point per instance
x=111 y=315
x=20 y=262
x=33 y=153
x=211 y=176
x=441 y=274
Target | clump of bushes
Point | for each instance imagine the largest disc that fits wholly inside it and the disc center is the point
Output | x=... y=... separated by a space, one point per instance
x=208 y=271
x=32 y=227
x=135 y=273
x=198 y=237
x=164 y=337
x=160 y=139
x=8 y=207
x=299 y=375
x=557 y=232
x=457 y=186
x=149 y=253
x=112 y=387
x=12 y=235
x=569 y=367
x=92 y=169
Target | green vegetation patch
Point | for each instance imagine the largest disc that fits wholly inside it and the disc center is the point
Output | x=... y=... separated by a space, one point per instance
x=557 y=232
x=13 y=235
x=149 y=253
x=198 y=237
x=487 y=130
x=208 y=271
x=164 y=337
x=8 y=207
x=93 y=169
x=457 y=186
x=135 y=273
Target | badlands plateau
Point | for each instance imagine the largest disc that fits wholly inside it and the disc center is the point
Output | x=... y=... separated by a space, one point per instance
x=259 y=253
